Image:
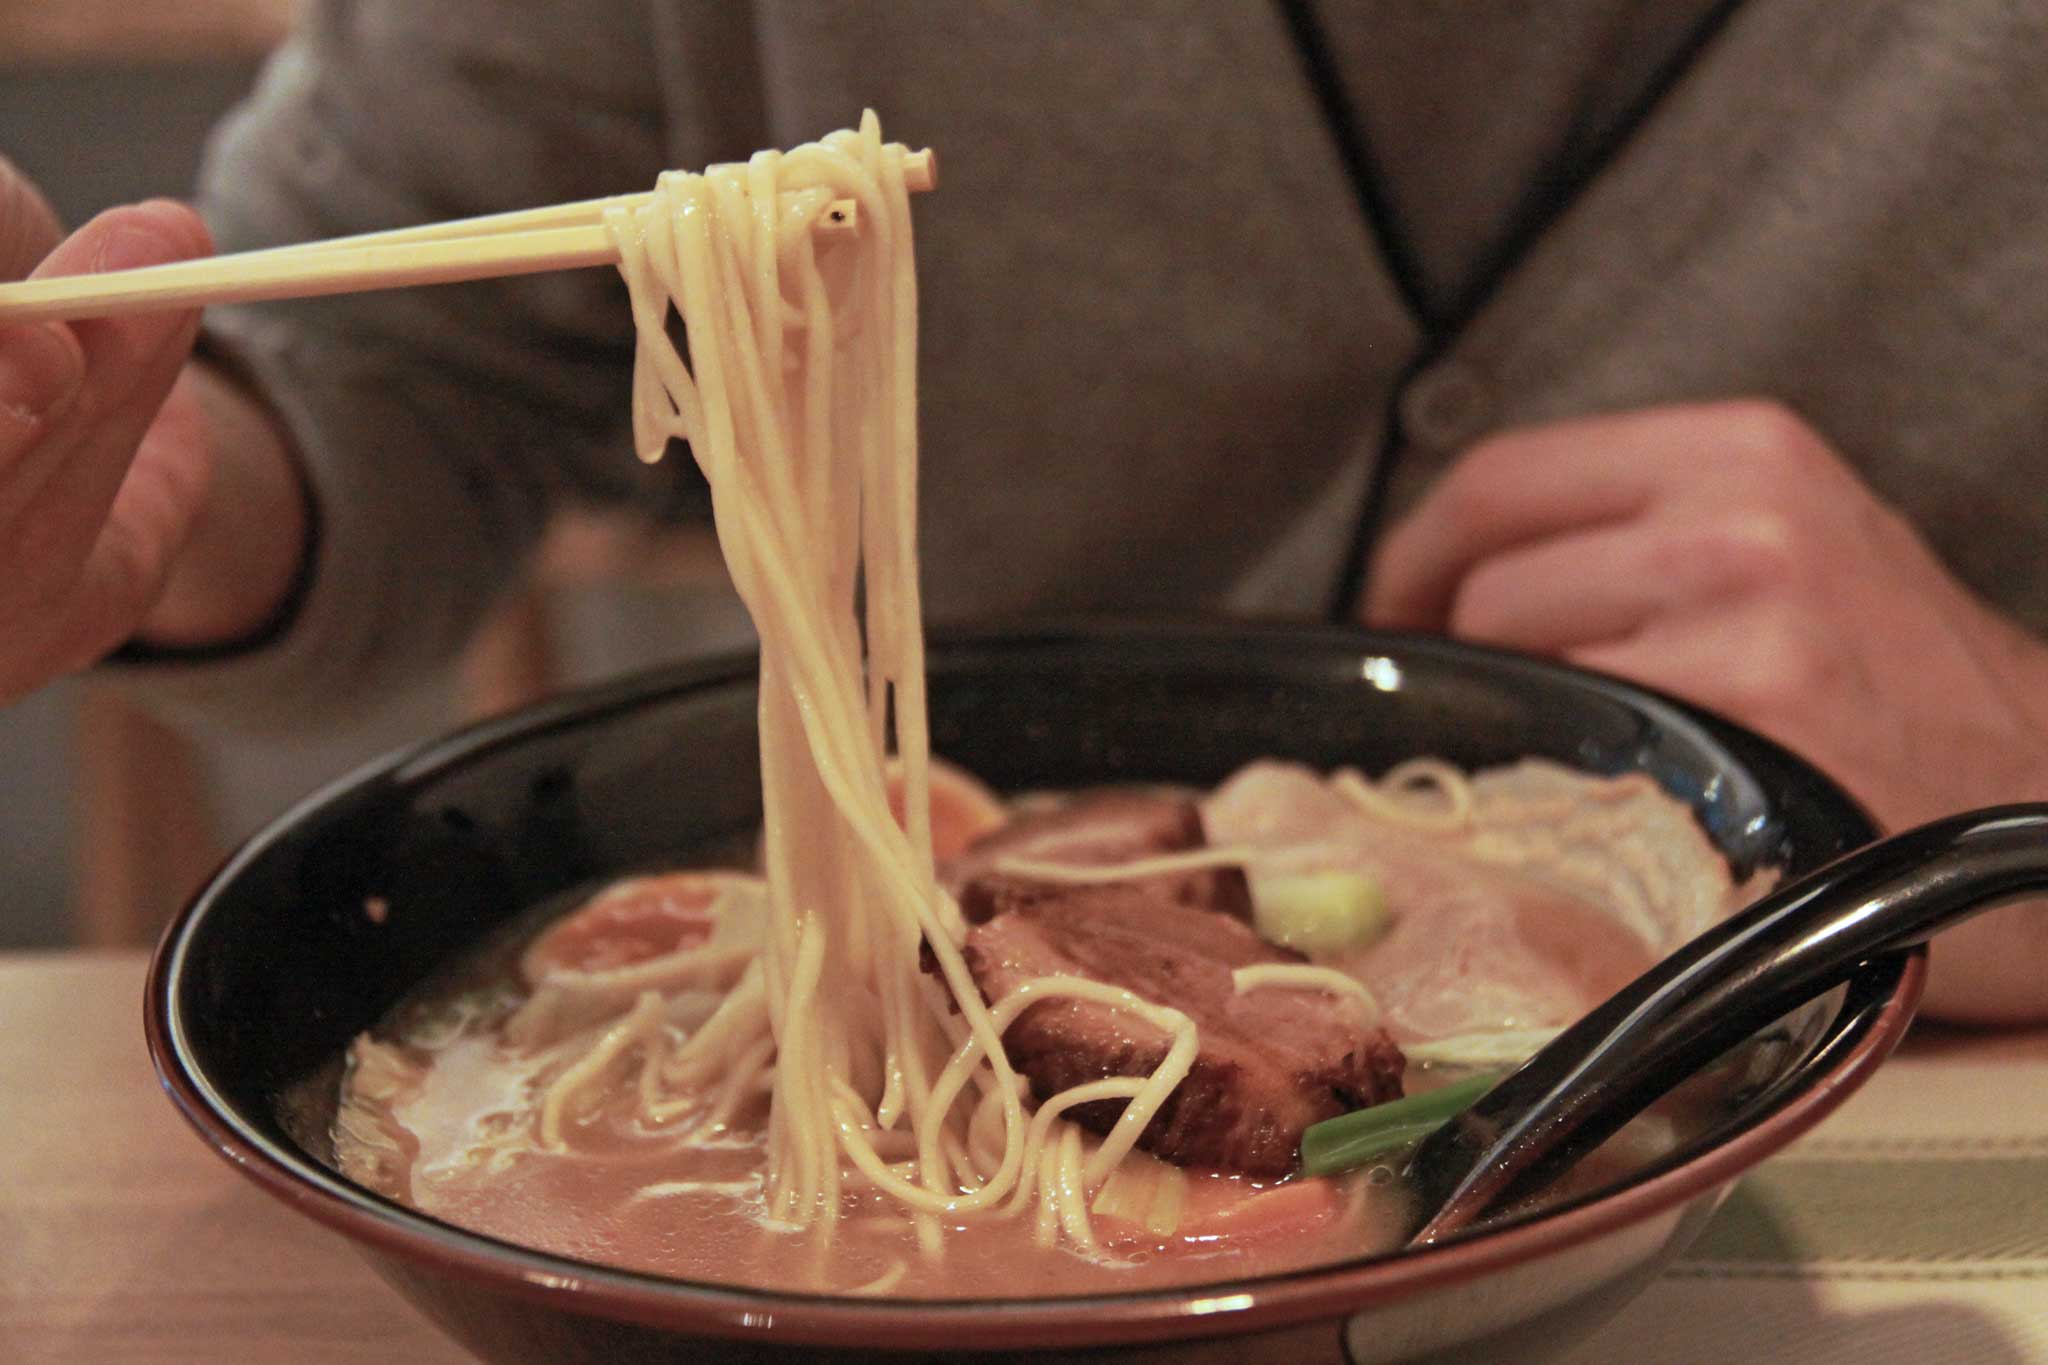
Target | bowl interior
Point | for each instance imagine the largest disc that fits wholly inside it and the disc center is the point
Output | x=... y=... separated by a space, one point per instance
x=322 y=922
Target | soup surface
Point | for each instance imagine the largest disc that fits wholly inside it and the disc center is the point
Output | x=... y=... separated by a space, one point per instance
x=530 y=1093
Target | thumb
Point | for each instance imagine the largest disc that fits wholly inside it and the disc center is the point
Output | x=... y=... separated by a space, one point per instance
x=126 y=238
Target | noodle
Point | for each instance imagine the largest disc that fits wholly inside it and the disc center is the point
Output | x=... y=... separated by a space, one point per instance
x=1303 y=976
x=798 y=402
x=1391 y=798
x=634 y=1028
x=834 y=987
x=1088 y=874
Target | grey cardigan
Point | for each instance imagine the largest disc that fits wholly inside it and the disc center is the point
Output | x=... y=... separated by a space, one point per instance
x=1190 y=316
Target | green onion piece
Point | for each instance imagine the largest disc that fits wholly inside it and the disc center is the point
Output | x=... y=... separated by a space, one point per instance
x=1318 y=912
x=1355 y=1138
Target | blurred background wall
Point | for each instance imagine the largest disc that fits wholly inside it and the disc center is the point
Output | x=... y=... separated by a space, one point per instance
x=108 y=818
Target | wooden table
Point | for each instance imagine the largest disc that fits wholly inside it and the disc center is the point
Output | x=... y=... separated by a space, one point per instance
x=123 y=1239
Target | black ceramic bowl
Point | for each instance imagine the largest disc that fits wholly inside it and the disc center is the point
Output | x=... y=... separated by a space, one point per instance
x=327 y=917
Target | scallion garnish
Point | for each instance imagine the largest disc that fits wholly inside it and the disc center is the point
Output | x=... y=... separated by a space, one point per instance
x=1355 y=1138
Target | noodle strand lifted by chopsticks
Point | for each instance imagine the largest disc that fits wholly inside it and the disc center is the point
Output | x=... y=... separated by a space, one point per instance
x=798 y=402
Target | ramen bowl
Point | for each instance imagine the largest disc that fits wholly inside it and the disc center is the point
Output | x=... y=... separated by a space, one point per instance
x=324 y=920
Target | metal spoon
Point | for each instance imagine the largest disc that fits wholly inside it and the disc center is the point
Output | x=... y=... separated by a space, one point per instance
x=1739 y=976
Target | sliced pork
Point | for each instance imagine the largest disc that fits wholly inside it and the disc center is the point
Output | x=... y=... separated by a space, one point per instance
x=1272 y=1061
x=1096 y=829
x=1560 y=888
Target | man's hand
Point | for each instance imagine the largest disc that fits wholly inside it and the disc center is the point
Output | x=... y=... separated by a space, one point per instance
x=109 y=463
x=1725 y=554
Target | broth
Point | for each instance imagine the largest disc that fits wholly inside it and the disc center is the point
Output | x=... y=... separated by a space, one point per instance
x=1487 y=948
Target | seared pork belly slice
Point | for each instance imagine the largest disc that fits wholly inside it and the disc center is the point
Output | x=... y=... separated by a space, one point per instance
x=1095 y=829
x=1271 y=1062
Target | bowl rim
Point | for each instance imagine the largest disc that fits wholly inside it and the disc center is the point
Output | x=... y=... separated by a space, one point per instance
x=1855 y=1043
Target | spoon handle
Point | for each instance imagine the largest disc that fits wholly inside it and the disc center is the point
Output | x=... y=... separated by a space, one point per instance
x=1789 y=947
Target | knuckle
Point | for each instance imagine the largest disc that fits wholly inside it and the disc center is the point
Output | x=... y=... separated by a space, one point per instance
x=1746 y=550
x=1774 y=439
x=1768 y=423
x=1481 y=609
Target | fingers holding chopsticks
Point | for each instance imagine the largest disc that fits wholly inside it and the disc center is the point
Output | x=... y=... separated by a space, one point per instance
x=78 y=397
x=41 y=367
x=77 y=402
x=155 y=233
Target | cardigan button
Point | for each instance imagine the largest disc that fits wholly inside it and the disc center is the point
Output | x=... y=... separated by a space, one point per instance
x=1446 y=407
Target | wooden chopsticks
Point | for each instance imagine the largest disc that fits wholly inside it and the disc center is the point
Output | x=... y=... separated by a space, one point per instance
x=524 y=242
